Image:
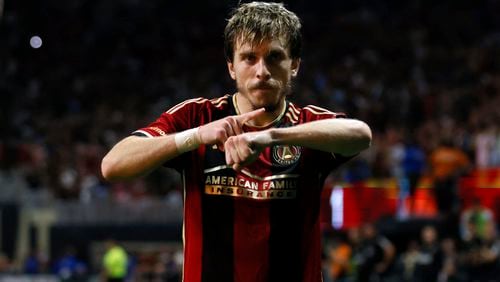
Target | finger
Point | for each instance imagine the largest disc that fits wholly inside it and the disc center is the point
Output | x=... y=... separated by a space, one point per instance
x=235 y=126
x=221 y=137
x=243 y=118
x=229 y=160
x=228 y=127
x=237 y=167
x=234 y=153
x=228 y=152
x=220 y=146
x=242 y=149
x=235 y=150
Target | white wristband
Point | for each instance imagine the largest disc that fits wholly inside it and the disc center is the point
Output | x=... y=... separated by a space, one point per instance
x=187 y=140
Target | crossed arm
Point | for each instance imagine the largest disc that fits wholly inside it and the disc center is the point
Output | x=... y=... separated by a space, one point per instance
x=136 y=156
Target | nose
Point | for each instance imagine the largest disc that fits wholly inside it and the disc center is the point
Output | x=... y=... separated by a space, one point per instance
x=262 y=70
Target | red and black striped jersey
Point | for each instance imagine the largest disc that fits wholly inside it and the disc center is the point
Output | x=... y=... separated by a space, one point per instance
x=260 y=224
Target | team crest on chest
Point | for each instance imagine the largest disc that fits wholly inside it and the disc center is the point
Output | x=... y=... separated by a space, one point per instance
x=285 y=155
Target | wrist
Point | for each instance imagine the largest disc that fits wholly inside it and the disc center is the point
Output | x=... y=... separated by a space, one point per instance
x=187 y=140
x=275 y=136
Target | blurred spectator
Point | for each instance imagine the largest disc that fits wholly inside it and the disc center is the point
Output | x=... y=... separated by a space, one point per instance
x=477 y=215
x=408 y=260
x=447 y=164
x=5 y=264
x=413 y=164
x=338 y=253
x=450 y=270
x=35 y=263
x=167 y=268
x=69 y=267
x=114 y=262
x=429 y=260
x=373 y=256
x=482 y=256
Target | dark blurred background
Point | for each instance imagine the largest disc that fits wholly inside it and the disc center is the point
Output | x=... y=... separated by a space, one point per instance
x=77 y=76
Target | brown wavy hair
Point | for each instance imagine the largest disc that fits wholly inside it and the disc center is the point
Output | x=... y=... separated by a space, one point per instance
x=256 y=22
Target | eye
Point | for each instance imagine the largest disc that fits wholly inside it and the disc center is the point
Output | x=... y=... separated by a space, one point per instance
x=275 y=57
x=250 y=58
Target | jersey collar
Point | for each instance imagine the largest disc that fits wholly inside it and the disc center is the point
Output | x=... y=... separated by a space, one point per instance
x=271 y=124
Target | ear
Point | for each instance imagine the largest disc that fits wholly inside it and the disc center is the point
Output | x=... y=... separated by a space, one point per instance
x=295 y=67
x=230 y=68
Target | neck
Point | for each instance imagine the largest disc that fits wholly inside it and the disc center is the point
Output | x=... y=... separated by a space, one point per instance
x=272 y=115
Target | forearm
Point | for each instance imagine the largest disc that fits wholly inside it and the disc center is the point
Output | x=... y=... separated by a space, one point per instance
x=342 y=136
x=136 y=156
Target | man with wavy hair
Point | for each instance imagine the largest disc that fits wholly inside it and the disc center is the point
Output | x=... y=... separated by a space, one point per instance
x=253 y=163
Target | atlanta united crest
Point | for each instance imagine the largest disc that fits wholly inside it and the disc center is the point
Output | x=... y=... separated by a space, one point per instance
x=285 y=155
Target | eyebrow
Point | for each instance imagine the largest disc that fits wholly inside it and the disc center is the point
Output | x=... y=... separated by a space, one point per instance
x=271 y=52
x=246 y=53
x=278 y=51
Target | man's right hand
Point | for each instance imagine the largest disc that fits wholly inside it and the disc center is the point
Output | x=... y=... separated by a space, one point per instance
x=217 y=132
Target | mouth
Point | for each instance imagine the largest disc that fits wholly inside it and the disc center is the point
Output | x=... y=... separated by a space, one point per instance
x=263 y=88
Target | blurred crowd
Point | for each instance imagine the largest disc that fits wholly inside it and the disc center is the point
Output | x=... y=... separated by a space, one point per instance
x=364 y=254
x=114 y=262
x=417 y=72
x=425 y=75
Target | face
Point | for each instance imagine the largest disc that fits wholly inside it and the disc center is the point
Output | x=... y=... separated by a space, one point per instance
x=429 y=234
x=263 y=74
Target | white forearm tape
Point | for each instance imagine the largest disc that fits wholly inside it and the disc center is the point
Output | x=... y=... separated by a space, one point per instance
x=187 y=140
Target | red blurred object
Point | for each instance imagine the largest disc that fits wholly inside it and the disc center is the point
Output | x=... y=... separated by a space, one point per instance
x=370 y=200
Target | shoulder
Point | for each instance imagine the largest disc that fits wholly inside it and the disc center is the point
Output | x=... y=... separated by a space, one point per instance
x=315 y=110
x=310 y=113
x=197 y=104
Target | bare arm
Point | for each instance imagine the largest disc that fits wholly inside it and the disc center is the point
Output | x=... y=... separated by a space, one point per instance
x=136 y=156
x=346 y=137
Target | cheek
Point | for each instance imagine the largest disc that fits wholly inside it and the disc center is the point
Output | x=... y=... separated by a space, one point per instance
x=284 y=73
x=284 y=77
x=243 y=75
x=241 y=82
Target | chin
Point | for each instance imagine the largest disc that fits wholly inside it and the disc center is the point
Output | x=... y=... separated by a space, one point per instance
x=269 y=104
x=271 y=108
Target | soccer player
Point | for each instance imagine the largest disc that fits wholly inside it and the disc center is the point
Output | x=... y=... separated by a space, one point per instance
x=253 y=163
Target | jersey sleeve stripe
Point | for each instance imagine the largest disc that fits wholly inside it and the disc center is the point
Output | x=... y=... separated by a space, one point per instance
x=294 y=109
x=181 y=105
x=219 y=100
x=142 y=132
x=291 y=118
x=318 y=111
x=295 y=116
x=220 y=104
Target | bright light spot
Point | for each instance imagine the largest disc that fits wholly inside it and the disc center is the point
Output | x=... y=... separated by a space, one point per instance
x=337 y=205
x=36 y=42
